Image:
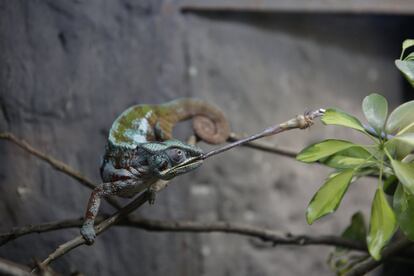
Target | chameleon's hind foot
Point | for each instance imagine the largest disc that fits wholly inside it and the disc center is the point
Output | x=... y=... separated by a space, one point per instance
x=88 y=233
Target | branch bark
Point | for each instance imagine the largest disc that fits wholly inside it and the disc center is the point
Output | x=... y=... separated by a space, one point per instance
x=56 y=164
x=13 y=269
x=276 y=237
x=41 y=228
x=101 y=227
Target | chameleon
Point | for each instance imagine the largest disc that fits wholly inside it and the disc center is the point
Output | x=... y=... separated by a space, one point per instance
x=141 y=150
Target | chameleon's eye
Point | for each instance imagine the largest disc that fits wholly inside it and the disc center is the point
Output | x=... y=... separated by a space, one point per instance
x=176 y=155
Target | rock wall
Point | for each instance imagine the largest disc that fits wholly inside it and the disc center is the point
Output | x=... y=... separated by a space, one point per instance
x=67 y=68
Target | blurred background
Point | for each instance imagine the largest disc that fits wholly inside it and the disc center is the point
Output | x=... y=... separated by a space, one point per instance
x=68 y=68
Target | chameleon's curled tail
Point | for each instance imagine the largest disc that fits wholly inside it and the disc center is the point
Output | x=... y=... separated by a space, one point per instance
x=209 y=122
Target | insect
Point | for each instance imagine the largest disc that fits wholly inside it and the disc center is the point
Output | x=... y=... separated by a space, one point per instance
x=141 y=150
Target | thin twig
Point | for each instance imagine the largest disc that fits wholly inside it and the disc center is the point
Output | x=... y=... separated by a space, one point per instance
x=13 y=269
x=277 y=238
x=41 y=228
x=370 y=264
x=101 y=227
x=56 y=164
x=199 y=227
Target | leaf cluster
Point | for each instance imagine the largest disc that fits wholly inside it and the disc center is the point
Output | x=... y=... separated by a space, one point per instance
x=389 y=158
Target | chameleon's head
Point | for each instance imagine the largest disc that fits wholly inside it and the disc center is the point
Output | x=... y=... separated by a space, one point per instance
x=172 y=157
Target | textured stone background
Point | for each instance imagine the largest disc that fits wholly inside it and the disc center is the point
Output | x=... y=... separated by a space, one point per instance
x=67 y=68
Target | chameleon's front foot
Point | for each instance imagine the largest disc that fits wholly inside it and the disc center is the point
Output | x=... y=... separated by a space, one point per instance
x=88 y=233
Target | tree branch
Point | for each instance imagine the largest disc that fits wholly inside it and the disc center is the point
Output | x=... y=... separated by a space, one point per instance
x=41 y=228
x=56 y=164
x=101 y=227
x=277 y=238
x=264 y=234
x=13 y=269
x=370 y=264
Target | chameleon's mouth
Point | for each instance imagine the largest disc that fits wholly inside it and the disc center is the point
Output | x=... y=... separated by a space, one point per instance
x=190 y=164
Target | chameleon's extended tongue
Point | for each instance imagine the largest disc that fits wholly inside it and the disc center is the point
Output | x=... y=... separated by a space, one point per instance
x=267 y=132
x=300 y=121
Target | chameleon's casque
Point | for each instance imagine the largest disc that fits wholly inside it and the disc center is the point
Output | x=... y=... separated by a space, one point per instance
x=141 y=149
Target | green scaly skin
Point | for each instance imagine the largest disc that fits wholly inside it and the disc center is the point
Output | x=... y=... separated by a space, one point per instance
x=141 y=150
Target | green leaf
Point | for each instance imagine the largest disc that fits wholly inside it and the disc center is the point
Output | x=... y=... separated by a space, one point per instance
x=349 y=158
x=382 y=225
x=408 y=159
x=407 y=138
x=400 y=118
x=407 y=68
x=399 y=149
x=404 y=173
x=323 y=149
x=403 y=204
x=342 y=259
x=406 y=44
x=402 y=145
x=375 y=108
x=340 y=118
x=410 y=57
x=390 y=184
x=329 y=196
x=345 y=162
x=356 y=230
x=357 y=152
